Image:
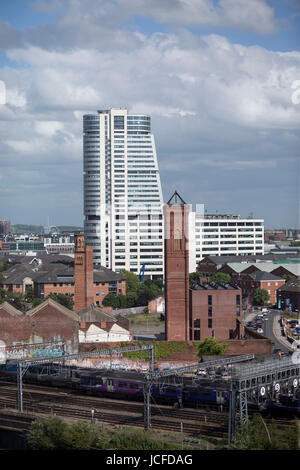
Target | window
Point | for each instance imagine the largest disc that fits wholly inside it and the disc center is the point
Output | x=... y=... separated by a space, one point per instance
x=210 y=300
x=197 y=323
x=209 y=323
x=238 y=300
x=210 y=311
x=197 y=335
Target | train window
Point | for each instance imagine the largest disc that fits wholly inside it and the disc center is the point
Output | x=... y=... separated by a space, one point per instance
x=135 y=386
x=170 y=389
x=123 y=384
x=98 y=381
x=205 y=393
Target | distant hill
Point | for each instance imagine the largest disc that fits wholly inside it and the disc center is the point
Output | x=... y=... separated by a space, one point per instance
x=22 y=228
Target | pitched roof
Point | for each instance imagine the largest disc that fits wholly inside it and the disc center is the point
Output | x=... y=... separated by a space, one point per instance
x=293 y=285
x=264 y=276
x=10 y=309
x=48 y=272
x=95 y=314
x=50 y=302
x=223 y=259
x=174 y=197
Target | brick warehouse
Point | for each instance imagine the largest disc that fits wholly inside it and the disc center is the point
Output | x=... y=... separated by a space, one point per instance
x=48 y=322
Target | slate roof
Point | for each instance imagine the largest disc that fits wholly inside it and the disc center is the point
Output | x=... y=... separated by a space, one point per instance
x=214 y=286
x=95 y=314
x=293 y=285
x=55 y=305
x=54 y=273
x=264 y=276
x=246 y=259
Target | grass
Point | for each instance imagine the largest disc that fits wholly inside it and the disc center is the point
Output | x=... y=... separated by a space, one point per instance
x=145 y=319
x=162 y=350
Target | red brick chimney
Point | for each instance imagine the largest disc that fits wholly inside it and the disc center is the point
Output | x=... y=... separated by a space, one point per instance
x=176 y=214
x=83 y=274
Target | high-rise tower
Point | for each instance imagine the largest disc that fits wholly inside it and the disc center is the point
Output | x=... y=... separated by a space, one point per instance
x=122 y=192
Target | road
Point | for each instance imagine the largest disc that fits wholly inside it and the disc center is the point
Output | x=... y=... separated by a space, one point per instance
x=272 y=329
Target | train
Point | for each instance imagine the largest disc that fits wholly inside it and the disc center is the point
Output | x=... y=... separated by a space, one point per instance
x=130 y=386
x=287 y=405
x=123 y=385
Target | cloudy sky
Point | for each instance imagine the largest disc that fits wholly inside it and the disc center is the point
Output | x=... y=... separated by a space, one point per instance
x=220 y=79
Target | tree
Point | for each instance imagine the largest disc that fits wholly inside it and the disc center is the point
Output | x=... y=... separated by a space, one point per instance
x=221 y=277
x=257 y=435
x=194 y=278
x=48 y=434
x=64 y=300
x=110 y=300
x=36 y=301
x=54 y=434
x=260 y=296
x=132 y=281
x=82 y=436
x=210 y=347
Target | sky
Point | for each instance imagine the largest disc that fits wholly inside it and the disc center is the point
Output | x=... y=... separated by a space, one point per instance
x=220 y=79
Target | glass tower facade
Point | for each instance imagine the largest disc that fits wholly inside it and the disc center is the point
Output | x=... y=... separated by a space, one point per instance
x=122 y=192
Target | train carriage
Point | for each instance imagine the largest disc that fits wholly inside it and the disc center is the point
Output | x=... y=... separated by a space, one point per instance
x=196 y=394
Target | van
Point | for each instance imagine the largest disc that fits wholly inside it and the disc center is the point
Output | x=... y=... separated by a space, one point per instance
x=264 y=310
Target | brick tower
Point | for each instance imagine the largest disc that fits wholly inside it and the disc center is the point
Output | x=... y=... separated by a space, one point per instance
x=176 y=216
x=83 y=274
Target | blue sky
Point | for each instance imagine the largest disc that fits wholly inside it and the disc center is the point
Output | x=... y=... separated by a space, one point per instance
x=215 y=75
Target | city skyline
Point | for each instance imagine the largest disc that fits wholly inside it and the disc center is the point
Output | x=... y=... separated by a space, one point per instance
x=220 y=80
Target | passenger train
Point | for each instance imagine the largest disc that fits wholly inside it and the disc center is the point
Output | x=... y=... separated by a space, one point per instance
x=130 y=385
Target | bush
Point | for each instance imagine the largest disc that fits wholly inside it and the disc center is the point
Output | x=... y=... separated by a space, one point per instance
x=54 y=434
x=210 y=347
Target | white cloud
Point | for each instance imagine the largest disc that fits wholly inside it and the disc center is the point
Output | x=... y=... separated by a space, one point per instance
x=214 y=104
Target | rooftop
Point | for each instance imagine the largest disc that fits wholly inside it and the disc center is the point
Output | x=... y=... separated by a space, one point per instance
x=214 y=286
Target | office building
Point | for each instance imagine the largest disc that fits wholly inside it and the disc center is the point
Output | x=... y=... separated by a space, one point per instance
x=224 y=235
x=122 y=192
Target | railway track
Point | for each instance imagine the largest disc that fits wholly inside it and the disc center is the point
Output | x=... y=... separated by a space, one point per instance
x=113 y=413
x=46 y=400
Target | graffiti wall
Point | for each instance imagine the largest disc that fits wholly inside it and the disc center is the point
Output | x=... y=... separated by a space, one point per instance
x=30 y=351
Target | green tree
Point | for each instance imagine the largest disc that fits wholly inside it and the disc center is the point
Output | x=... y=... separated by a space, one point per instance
x=145 y=294
x=48 y=434
x=221 y=277
x=194 y=278
x=210 y=347
x=36 y=301
x=110 y=300
x=64 y=300
x=260 y=296
x=132 y=281
x=258 y=435
x=121 y=301
x=82 y=436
